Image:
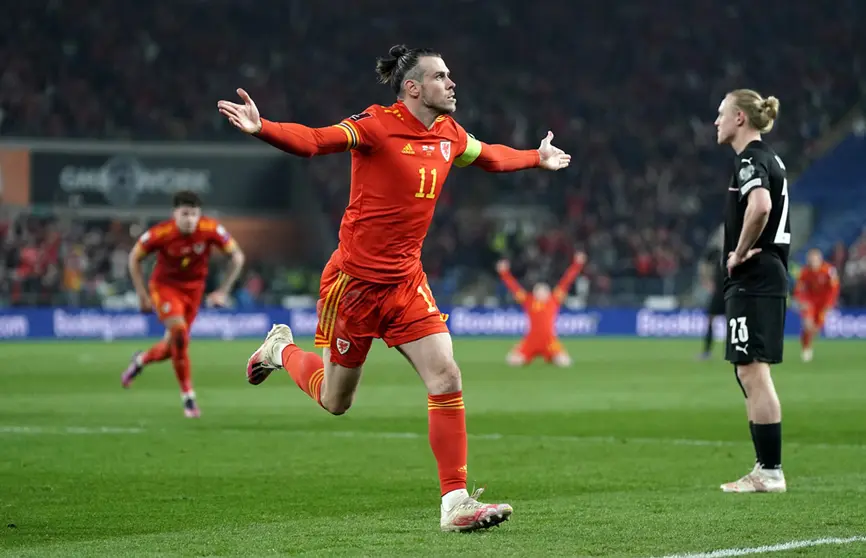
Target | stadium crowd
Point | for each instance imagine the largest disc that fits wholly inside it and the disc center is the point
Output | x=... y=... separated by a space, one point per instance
x=49 y=260
x=643 y=191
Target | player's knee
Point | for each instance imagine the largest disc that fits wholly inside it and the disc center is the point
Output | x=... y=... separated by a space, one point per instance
x=339 y=386
x=445 y=377
x=337 y=402
x=179 y=336
x=337 y=405
x=754 y=376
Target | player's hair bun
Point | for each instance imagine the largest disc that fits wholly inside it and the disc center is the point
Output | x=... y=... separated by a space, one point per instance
x=398 y=50
x=770 y=107
x=401 y=59
x=761 y=112
x=386 y=68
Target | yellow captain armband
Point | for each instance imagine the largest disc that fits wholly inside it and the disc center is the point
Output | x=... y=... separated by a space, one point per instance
x=472 y=151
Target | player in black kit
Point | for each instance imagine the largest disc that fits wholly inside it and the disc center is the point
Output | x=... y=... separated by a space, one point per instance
x=757 y=241
x=713 y=276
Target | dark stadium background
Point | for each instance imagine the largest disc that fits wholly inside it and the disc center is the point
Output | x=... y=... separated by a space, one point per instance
x=631 y=91
x=107 y=107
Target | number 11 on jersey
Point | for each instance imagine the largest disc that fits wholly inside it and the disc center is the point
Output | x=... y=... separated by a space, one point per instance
x=432 y=193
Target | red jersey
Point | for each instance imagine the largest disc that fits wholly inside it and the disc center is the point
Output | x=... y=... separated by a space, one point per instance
x=542 y=314
x=818 y=287
x=182 y=259
x=399 y=167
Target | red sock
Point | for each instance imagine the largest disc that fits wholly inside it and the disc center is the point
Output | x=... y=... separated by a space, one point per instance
x=806 y=339
x=447 y=418
x=159 y=352
x=180 y=357
x=306 y=369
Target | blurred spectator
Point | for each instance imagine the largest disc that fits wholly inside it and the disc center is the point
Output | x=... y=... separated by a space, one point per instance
x=250 y=293
x=854 y=276
x=631 y=95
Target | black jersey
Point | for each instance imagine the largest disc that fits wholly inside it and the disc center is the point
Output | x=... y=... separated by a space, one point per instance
x=766 y=273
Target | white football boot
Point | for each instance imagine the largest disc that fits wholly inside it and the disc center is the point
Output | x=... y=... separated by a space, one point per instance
x=266 y=359
x=471 y=515
x=759 y=480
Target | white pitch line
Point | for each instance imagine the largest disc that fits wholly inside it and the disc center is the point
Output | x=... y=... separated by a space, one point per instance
x=69 y=430
x=547 y=438
x=420 y=435
x=540 y=438
x=790 y=545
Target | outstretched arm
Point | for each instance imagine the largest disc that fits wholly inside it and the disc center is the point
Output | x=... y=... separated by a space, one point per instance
x=501 y=158
x=569 y=276
x=504 y=270
x=302 y=141
x=296 y=139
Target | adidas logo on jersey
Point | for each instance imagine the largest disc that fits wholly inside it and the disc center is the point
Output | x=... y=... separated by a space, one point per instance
x=408 y=150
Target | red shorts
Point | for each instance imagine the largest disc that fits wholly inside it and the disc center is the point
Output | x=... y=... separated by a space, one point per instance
x=817 y=314
x=171 y=300
x=353 y=312
x=530 y=349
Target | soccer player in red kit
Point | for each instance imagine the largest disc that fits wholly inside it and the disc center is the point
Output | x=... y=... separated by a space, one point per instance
x=542 y=308
x=374 y=285
x=817 y=291
x=183 y=245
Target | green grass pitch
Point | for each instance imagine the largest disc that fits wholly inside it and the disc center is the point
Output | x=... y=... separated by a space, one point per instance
x=621 y=455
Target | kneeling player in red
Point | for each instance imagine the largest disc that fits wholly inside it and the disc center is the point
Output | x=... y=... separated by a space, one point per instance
x=177 y=285
x=374 y=285
x=542 y=308
x=817 y=291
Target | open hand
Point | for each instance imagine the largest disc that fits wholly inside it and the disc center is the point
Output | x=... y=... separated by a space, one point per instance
x=244 y=117
x=551 y=157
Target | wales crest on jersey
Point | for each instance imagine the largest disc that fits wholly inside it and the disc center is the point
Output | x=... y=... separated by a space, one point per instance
x=445 y=148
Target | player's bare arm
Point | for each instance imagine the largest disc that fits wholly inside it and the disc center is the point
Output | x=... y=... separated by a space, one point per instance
x=754 y=222
x=137 y=275
x=756 y=307
x=219 y=297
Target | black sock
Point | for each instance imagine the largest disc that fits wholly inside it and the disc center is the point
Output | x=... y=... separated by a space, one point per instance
x=768 y=439
x=755 y=442
x=708 y=338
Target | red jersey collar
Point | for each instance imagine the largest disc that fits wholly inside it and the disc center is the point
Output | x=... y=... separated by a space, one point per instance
x=411 y=120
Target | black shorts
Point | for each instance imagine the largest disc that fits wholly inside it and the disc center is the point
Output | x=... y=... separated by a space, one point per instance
x=755 y=329
x=717 y=303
